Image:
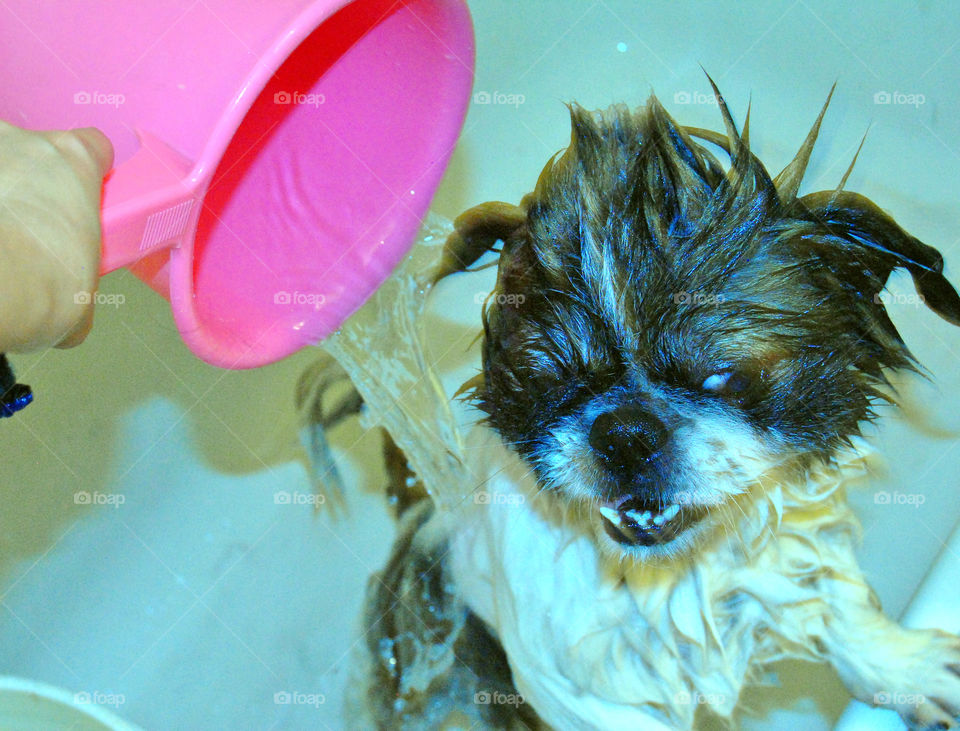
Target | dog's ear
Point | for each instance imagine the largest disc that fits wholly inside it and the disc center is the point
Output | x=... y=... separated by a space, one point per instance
x=864 y=245
x=476 y=231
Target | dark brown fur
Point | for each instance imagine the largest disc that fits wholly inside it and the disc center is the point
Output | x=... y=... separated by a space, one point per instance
x=709 y=269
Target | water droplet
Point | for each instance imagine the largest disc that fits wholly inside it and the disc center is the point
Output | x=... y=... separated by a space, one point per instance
x=622 y=47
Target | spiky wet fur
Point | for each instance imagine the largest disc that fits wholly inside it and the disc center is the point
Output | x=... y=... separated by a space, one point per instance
x=639 y=266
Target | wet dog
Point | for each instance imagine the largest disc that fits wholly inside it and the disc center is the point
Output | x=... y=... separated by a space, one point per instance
x=674 y=349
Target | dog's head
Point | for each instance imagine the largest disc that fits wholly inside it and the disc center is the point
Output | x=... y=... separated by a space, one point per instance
x=665 y=330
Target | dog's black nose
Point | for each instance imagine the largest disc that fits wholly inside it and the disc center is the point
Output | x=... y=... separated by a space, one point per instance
x=627 y=438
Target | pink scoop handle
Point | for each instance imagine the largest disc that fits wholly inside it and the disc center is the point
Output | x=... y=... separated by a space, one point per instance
x=149 y=203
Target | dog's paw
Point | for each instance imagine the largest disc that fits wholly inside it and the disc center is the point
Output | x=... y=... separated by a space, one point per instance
x=927 y=694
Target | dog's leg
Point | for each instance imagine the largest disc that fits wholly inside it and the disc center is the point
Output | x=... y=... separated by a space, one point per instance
x=914 y=672
x=433 y=663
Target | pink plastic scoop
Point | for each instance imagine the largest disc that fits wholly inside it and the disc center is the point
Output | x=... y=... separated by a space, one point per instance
x=275 y=159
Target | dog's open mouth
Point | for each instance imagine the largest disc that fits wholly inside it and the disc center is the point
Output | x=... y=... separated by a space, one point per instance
x=635 y=522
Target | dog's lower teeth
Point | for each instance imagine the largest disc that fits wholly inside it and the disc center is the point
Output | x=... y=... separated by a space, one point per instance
x=647 y=519
x=646 y=528
x=641 y=519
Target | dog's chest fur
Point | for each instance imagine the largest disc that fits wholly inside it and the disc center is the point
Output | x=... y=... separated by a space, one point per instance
x=623 y=638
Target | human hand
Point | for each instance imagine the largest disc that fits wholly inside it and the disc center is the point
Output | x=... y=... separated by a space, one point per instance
x=50 y=183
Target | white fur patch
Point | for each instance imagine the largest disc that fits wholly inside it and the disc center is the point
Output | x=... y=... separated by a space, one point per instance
x=595 y=643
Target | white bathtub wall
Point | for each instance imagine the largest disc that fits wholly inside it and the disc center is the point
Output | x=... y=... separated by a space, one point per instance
x=934 y=605
x=201 y=596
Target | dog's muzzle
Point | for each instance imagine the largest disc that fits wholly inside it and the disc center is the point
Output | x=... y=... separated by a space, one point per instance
x=627 y=440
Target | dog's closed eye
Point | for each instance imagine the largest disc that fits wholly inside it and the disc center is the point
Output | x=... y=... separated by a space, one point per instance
x=727 y=383
x=736 y=386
